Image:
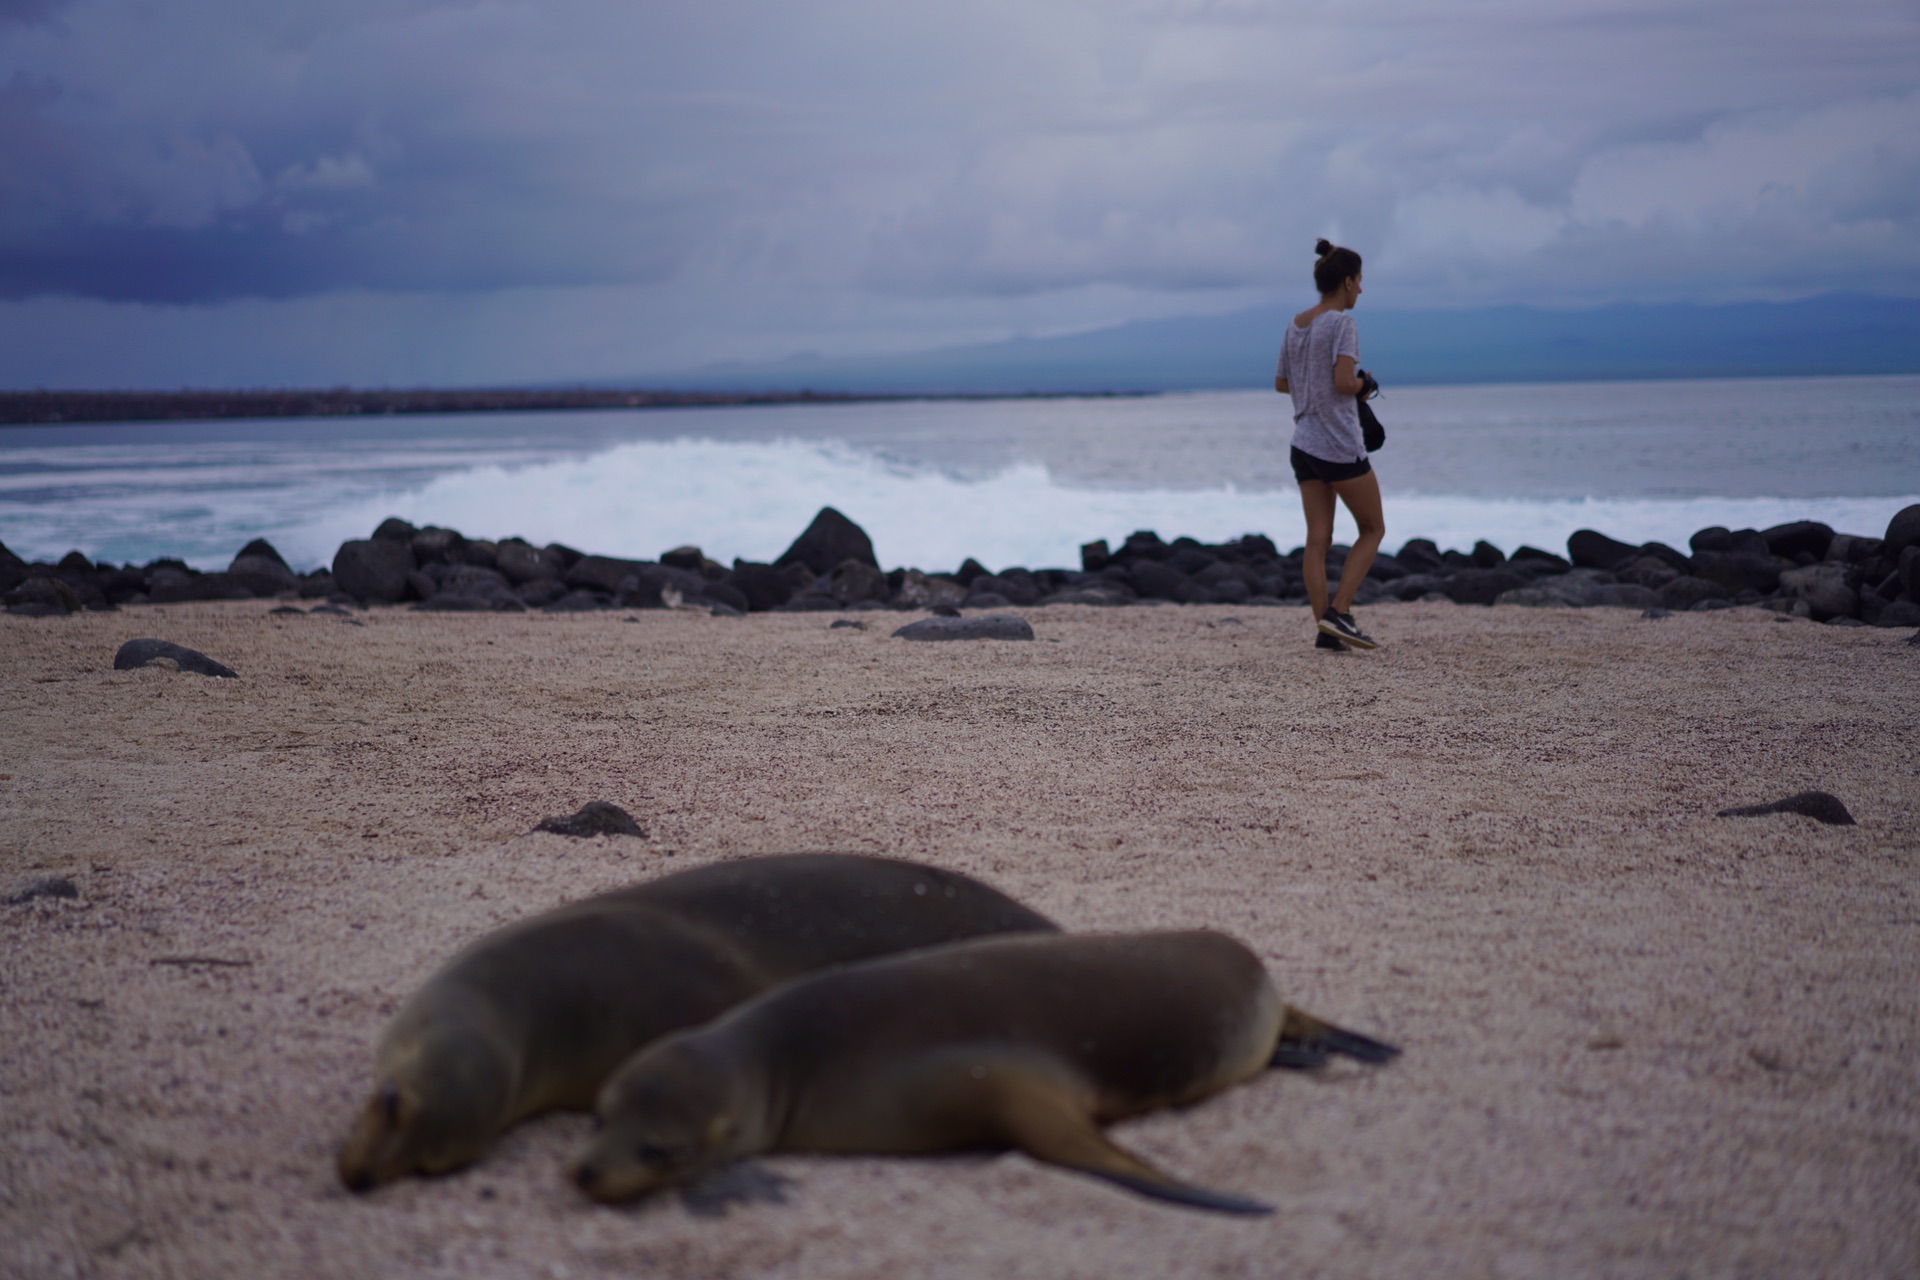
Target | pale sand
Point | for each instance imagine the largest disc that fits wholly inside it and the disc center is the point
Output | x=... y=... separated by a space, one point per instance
x=1640 y=1040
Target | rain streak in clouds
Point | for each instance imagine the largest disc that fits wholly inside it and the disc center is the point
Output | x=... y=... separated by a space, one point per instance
x=406 y=191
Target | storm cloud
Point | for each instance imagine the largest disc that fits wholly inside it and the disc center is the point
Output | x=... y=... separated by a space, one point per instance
x=745 y=180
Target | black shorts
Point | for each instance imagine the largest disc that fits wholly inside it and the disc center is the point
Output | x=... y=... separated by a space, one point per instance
x=1307 y=467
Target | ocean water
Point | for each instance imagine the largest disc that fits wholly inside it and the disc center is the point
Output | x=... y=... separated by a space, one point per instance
x=1006 y=481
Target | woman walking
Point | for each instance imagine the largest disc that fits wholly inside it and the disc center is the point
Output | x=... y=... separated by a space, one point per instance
x=1319 y=369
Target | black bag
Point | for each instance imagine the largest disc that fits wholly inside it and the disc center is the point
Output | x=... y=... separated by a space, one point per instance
x=1372 y=434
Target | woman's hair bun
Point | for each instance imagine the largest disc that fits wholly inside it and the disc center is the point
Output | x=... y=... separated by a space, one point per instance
x=1322 y=247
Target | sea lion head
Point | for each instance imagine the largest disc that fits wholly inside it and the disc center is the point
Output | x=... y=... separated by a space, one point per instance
x=669 y=1115
x=438 y=1103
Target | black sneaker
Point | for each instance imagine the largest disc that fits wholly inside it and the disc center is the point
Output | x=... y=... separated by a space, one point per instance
x=1341 y=627
x=1321 y=640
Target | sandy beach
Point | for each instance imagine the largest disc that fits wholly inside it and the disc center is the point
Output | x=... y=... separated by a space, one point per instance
x=1640 y=1039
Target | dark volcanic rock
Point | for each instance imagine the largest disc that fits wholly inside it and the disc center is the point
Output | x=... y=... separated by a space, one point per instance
x=998 y=626
x=43 y=887
x=44 y=598
x=1592 y=550
x=1648 y=571
x=394 y=529
x=829 y=541
x=262 y=575
x=580 y=601
x=1899 y=613
x=605 y=573
x=595 y=818
x=1094 y=556
x=1684 y=593
x=140 y=653
x=1819 y=805
x=1488 y=556
x=1789 y=540
x=1482 y=586
x=522 y=563
x=1153 y=580
x=1739 y=571
x=434 y=545
x=857 y=580
x=264 y=549
x=764 y=586
x=374 y=570
x=1824 y=587
x=1903 y=531
x=1420 y=555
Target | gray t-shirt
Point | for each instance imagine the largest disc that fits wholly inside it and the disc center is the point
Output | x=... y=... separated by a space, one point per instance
x=1326 y=424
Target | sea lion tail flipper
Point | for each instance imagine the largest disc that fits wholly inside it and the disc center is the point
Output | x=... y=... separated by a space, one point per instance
x=1306 y=1042
x=1050 y=1126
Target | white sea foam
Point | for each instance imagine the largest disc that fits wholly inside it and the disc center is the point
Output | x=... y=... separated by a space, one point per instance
x=750 y=500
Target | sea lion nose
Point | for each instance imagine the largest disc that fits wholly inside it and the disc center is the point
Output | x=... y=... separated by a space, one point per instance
x=586 y=1176
x=360 y=1180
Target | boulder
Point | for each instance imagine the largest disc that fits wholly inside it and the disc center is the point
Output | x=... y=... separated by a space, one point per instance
x=521 y=563
x=1903 y=531
x=606 y=573
x=857 y=580
x=261 y=547
x=1684 y=593
x=373 y=569
x=394 y=529
x=828 y=542
x=1420 y=555
x=1153 y=580
x=1094 y=555
x=170 y=586
x=1648 y=571
x=724 y=595
x=764 y=586
x=141 y=653
x=685 y=557
x=1713 y=538
x=1589 y=549
x=1143 y=544
x=1851 y=548
x=1534 y=555
x=986 y=600
x=998 y=626
x=1789 y=540
x=44 y=597
x=434 y=545
x=1909 y=572
x=1483 y=586
x=1899 y=613
x=262 y=575
x=1824 y=587
x=919 y=591
x=1017 y=586
x=1535 y=597
x=1488 y=556
x=1739 y=571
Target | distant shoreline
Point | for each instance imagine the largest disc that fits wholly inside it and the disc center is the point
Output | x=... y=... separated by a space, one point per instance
x=59 y=408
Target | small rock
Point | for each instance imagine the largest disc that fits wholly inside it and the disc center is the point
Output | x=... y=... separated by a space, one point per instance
x=997 y=626
x=1656 y=613
x=846 y=624
x=44 y=887
x=595 y=818
x=1819 y=805
x=287 y=608
x=140 y=653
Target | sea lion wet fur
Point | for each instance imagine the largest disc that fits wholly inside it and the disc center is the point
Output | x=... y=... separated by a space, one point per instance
x=536 y=1015
x=1030 y=1042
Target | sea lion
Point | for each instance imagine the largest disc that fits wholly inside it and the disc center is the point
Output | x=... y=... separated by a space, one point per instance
x=1026 y=1042
x=536 y=1015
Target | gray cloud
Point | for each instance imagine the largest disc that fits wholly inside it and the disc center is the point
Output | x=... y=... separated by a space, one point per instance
x=742 y=175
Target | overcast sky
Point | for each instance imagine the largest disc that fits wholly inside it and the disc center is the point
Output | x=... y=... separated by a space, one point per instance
x=415 y=191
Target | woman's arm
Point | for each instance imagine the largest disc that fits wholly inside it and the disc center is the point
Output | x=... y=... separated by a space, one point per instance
x=1346 y=379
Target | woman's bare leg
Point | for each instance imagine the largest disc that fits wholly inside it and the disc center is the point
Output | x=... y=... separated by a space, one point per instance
x=1362 y=496
x=1316 y=500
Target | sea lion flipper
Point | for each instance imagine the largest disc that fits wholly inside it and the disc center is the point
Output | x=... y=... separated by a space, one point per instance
x=1048 y=1124
x=1306 y=1042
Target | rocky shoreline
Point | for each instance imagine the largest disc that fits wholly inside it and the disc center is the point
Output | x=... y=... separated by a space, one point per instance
x=1801 y=569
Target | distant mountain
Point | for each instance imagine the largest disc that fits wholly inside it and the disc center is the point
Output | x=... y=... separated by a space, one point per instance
x=1835 y=334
